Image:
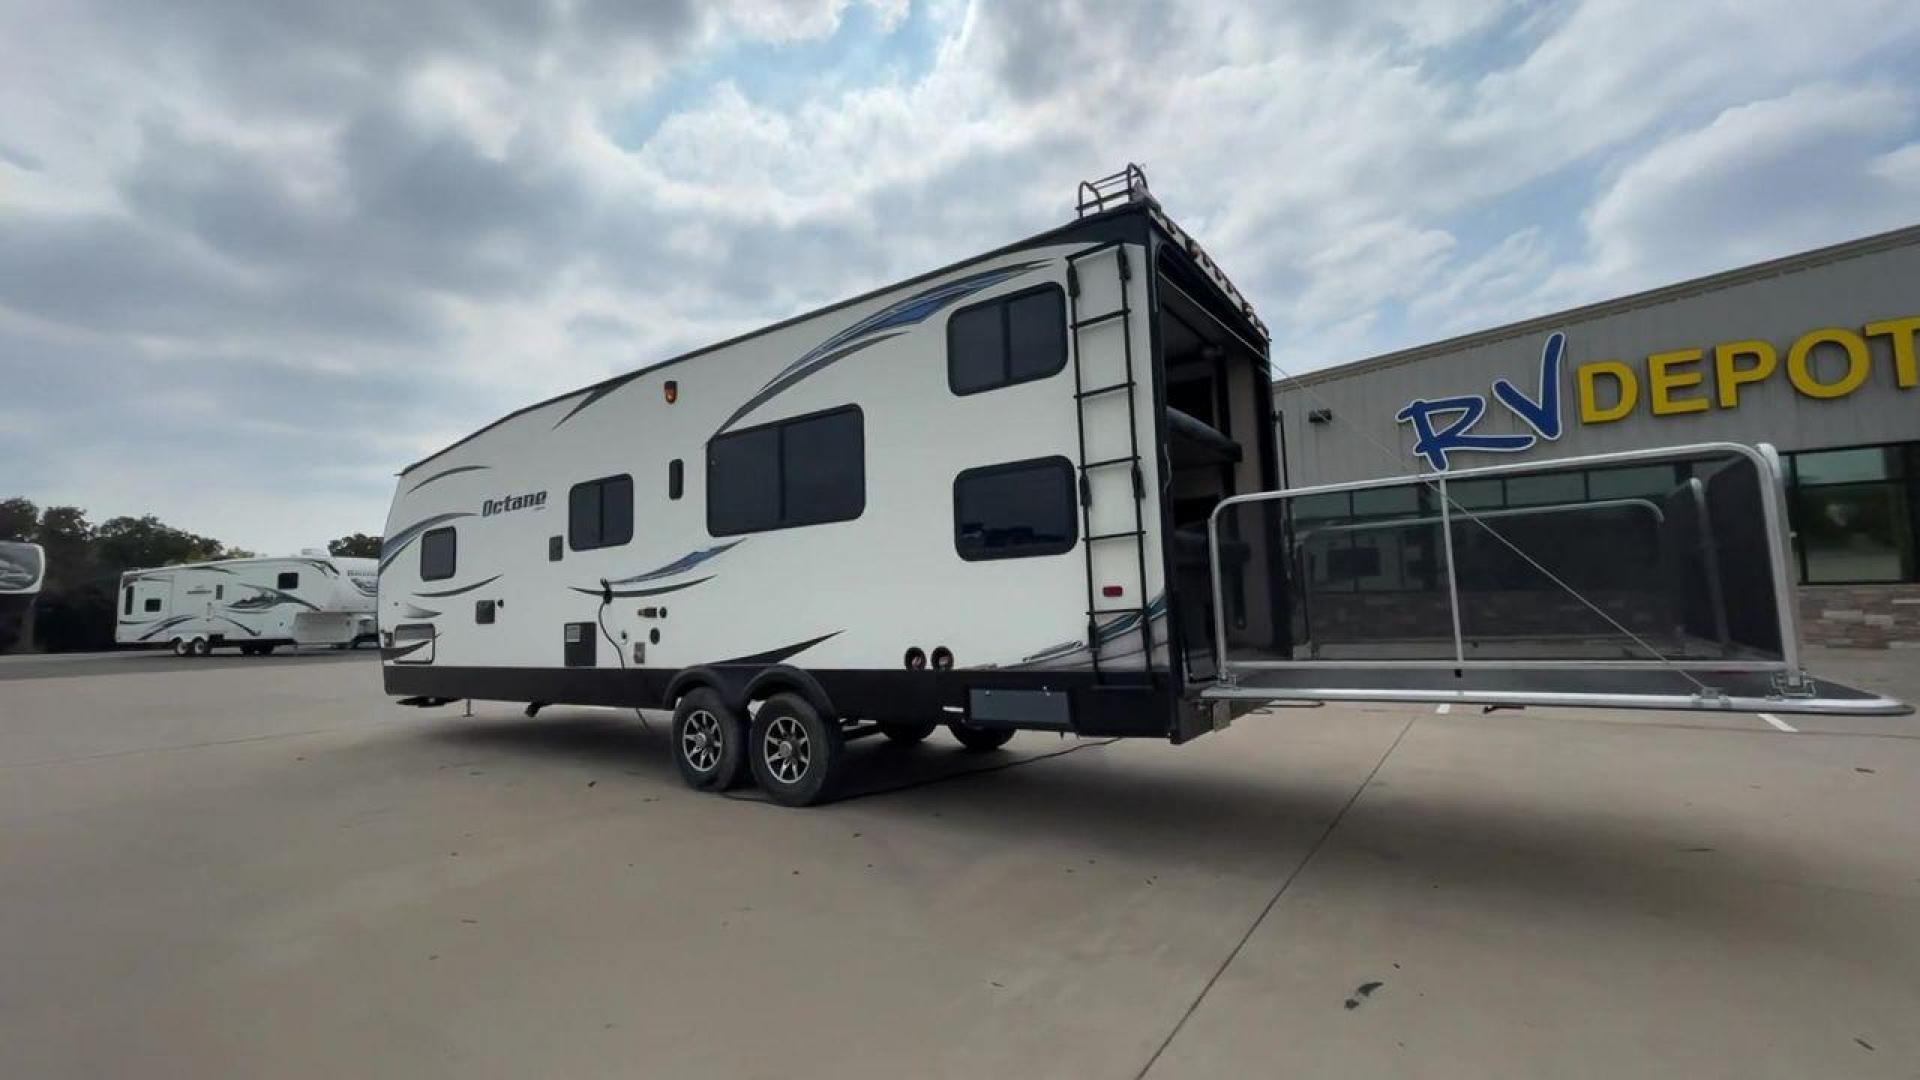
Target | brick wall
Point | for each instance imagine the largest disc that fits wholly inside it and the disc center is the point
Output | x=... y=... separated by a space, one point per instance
x=1861 y=616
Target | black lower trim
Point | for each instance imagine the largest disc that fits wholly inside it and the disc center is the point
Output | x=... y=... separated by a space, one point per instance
x=1105 y=707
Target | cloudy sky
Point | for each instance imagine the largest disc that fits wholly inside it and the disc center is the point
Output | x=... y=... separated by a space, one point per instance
x=255 y=255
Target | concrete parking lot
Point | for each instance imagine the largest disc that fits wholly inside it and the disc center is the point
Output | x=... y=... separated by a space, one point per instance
x=264 y=868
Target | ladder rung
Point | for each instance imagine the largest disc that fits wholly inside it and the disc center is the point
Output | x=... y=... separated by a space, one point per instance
x=1107 y=389
x=1098 y=319
x=1104 y=462
x=1115 y=535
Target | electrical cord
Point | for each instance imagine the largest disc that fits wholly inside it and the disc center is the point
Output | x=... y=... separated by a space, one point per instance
x=600 y=620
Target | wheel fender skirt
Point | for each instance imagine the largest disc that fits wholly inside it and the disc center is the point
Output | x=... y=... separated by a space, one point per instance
x=778 y=677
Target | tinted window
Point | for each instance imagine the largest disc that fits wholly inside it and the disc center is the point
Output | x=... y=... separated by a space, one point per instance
x=289 y=580
x=823 y=469
x=743 y=482
x=437 y=554
x=976 y=349
x=676 y=478
x=805 y=471
x=153 y=603
x=600 y=513
x=127 y=608
x=1036 y=335
x=1015 y=510
x=1007 y=340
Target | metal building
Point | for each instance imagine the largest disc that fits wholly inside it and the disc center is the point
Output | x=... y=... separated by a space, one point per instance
x=1814 y=353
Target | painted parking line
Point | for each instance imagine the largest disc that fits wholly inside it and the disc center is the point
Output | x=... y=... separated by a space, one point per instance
x=1779 y=723
x=1443 y=709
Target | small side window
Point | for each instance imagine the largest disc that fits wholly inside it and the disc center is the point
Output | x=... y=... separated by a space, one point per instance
x=483 y=611
x=1007 y=340
x=219 y=592
x=289 y=579
x=1014 y=511
x=153 y=603
x=127 y=606
x=600 y=513
x=676 y=478
x=438 y=554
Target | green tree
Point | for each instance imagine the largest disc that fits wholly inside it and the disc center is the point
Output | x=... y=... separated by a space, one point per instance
x=67 y=536
x=19 y=519
x=356 y=546
x=128 y=543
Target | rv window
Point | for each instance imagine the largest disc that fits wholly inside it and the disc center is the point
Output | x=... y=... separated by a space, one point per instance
x=676 y=478
x=600 y=513
x=438 y=548
x=1016 y=510
x=1008 y=340
x=127 y=607
x=289 y=580
x=805 y=471
x=153 y=603
x=219 y=592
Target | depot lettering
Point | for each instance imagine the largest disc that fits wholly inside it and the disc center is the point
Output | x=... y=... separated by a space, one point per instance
x=1828 y=363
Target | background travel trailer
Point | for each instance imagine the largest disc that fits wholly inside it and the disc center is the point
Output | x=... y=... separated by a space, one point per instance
x=254 y=604
x=22 y=569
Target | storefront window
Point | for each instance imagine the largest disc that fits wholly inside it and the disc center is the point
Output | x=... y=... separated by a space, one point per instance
x=1848 y=466
x=1642 y=481
x=1853 y=515
x=1856 y=532
x=1544 y=490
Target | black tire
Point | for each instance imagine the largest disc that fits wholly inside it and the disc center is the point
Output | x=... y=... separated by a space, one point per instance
x=797 y=755
x=200 y=647
x=709 y=742
x=249 y=650
x=265 y=650
x=904 y=733
x=980 y=739
x=180 y=646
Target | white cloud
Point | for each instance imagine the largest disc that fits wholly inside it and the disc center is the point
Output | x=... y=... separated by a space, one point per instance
x=1761 y=180
x=362 y=206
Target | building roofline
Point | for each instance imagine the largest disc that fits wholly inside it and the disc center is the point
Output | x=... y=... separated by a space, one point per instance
x=1725 y=279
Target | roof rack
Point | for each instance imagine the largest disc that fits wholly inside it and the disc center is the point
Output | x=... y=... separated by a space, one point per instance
x=1129 y=186
x=1126 y=186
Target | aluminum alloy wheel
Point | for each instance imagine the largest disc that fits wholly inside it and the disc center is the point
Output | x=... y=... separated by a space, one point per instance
x=700 y=740
x=786 y=749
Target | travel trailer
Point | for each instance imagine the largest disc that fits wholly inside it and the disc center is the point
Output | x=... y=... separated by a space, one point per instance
x=22 y=569
x=255 y=605
x=1039 y=490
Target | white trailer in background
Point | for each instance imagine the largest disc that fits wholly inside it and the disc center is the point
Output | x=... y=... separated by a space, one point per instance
x=1034 y=490
x=255 y=605
x=22 y=569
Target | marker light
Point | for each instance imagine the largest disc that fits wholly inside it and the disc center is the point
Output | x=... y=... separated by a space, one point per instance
x=672 y=391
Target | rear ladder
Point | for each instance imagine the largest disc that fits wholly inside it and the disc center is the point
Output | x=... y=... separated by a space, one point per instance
x=1091 y=403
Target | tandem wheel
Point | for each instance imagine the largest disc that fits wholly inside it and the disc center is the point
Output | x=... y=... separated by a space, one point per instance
x=709 y=742
x=796 y=754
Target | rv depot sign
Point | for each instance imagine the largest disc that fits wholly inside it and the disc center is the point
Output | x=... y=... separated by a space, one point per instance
x=1668 y=383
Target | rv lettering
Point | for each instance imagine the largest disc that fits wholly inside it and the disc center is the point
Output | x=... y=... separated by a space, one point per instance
x=1541 y=413
x=508 y=503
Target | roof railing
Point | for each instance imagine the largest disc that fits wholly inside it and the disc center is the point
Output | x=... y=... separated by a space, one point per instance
x=1126 y=186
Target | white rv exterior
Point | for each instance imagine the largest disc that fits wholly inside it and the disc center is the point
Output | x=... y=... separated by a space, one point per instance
x=980 y=497
x=255 y=605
